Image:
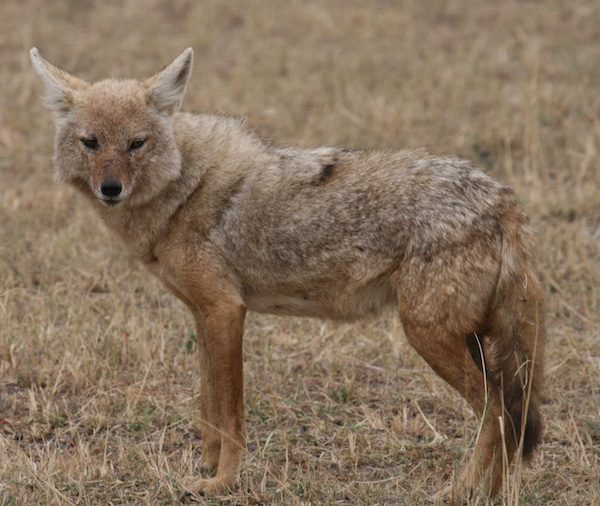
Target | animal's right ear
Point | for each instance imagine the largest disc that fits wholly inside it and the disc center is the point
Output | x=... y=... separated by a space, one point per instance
x=58 y=84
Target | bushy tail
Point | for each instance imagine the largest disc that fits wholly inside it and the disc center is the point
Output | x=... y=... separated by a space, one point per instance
x=514 y=341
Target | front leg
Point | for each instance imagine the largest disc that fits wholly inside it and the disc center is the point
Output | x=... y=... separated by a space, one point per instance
x=219 y=329
x=209 y=416
x=222 y=393
x=207 y=286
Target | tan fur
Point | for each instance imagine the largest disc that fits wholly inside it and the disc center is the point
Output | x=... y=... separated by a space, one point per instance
x=230 y=223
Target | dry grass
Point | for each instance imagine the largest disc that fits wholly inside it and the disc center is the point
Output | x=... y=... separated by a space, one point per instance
x=98 y=376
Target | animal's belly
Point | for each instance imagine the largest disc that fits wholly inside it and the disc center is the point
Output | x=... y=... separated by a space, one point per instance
x=338 y=302
x=287 y=305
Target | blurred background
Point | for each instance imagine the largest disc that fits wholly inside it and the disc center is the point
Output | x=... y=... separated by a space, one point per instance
x=98 y=376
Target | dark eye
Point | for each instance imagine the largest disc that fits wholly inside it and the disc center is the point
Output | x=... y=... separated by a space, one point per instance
x=90 y=142
x=136 y=144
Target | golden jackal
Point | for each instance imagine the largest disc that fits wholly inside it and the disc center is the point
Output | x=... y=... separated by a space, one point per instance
x=230 y=223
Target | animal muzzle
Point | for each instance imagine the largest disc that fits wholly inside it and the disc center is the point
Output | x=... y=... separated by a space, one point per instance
x=111 y=190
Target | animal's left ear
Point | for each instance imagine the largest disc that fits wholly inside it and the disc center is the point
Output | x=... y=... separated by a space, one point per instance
x=166 y=89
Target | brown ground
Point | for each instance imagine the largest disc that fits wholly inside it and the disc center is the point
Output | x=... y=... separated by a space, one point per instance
x=98 y=375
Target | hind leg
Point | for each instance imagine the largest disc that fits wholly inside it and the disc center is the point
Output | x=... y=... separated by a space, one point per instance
x=448 y=355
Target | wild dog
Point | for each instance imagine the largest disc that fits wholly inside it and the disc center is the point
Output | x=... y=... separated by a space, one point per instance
x=229 y=223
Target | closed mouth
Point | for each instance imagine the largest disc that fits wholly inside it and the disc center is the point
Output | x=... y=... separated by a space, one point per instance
x=110 y=201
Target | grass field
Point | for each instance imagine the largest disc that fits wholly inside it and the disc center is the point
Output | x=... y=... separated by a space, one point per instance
x=98 y=372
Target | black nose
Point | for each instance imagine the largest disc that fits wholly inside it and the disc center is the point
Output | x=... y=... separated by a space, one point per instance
x=111 y=188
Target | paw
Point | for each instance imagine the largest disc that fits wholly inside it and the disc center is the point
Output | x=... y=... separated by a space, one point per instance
x=212 y=486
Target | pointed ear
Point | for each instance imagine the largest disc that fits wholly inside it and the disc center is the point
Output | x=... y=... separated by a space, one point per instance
x=166 y=89
x=58 y=84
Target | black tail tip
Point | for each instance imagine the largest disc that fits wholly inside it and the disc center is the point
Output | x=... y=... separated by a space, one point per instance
x=532 y=435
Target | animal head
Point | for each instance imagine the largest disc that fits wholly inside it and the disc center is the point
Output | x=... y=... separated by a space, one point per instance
x=115 y=138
